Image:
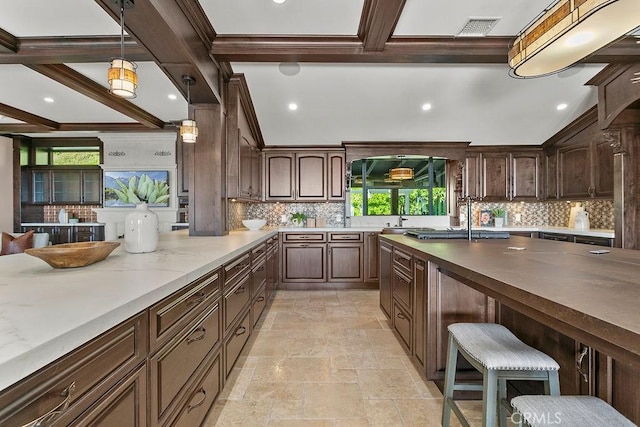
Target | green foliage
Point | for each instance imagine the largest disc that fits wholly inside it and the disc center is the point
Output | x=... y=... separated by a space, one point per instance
x=380 y=203
x=143 y=190
x=299 y=216
x=498 y=212
x=75 y=158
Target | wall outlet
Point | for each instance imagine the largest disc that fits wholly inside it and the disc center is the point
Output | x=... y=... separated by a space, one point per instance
x=338 y=218
x=518 y=217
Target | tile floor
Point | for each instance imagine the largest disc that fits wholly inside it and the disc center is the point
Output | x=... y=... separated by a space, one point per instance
x=327 y=358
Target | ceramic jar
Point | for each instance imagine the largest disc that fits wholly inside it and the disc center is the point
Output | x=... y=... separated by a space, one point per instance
x=141 y=230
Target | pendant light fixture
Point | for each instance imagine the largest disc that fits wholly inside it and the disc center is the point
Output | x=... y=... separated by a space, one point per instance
x=399 y=174
x=569 y=31
x=122 y=76
x=188 y=128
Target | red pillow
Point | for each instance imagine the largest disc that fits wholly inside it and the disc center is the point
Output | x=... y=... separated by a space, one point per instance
x=16 y=245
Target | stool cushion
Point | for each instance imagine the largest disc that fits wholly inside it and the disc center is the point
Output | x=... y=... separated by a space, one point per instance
x=496 y=348
x=569 y=411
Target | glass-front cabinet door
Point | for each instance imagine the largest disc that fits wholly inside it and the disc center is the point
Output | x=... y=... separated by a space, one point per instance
x=41 y=181
x=91 y=186
x=66 y=186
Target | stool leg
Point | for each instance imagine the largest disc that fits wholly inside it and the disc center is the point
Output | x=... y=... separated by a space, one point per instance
x=552 y=386
x=502 y=395
x=489 y=397
x=449 y=381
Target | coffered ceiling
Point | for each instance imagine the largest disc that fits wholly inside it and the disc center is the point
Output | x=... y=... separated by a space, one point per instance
x=366 y=68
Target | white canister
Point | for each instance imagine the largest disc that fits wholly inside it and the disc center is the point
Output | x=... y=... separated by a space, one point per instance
x=582 y=221
x=141 y=230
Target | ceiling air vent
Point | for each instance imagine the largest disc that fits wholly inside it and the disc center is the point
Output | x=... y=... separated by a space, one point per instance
x=477 y=27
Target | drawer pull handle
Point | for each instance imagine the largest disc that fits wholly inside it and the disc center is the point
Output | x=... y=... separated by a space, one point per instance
x=304 y=237
x=402 y=316
x=304 y=246
x=204 y=397
x=202 y=332
x=260 y=269
x=199 y=297
x=47 y=418
x=239 y=290
x=260 y=299
x=241 y=331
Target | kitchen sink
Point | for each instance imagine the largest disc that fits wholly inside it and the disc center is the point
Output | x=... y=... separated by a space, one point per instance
x=402 y=230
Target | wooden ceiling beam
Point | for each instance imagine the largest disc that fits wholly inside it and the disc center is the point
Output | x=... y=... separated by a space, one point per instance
x=59 y=50
x=87 y=87
x=178 y=36
x=349 y=49
x=8 y=42
x=378 y=20
x=12 y=128
x=32 y=119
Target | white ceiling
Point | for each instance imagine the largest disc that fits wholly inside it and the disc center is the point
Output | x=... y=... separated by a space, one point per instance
x=337 y=102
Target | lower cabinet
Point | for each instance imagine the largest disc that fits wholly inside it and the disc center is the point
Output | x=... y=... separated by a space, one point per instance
x=69 y=233
x=345 y=262
x=385 y=277
x=235 y=341
x=204 y=393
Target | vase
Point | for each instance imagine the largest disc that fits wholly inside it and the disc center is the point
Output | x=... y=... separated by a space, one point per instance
x=141 y=230
x=498 y=222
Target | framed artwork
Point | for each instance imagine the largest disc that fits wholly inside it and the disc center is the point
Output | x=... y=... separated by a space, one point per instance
x=485 y=218
x=129 y=188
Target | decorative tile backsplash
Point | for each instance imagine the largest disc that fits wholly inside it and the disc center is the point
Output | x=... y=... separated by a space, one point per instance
x=552 y=213
x=273 y=212
x=84 y=212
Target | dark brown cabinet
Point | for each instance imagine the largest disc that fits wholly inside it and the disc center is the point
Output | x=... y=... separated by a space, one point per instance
x=69 y=233
x=385 y=258
x=304 y=176
x=586 y=171
x=304 y=262
x=503 y=176
x=371 y=257
x=420 y=313
x=62 y=185
x=345 y=257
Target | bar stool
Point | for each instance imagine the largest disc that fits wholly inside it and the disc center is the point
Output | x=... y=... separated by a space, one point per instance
x=567 y=411
x=500 y=356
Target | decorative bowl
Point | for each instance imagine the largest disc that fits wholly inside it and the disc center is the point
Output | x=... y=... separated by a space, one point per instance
x=254 y=224
x=70 y=255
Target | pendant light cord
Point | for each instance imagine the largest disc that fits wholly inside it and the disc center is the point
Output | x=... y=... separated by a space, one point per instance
x=121 y=29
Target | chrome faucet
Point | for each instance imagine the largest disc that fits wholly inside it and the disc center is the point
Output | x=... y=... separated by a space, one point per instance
x=468 y=200
x=401 y=220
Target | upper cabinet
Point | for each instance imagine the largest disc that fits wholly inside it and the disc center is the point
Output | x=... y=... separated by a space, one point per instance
x=304 y=175
x=244 y=144
x=494 y=175
x=62 y=185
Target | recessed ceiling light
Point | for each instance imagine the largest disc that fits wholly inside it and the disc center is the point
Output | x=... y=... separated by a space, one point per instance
x=426 y=107
x=561 y=106
x=293 y=106
x=289 y=68
x=172 y=97
x=279 y=1
x=48 y=99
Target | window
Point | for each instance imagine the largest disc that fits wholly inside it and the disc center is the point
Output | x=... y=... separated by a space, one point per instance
x=424 y=194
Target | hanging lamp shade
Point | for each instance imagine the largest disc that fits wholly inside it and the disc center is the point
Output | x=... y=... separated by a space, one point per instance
x=567 y=32
x=122 y=78
x=399 y=174
x=188 y=131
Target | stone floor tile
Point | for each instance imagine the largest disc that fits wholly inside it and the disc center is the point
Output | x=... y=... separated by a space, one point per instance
x=238 y=413
x=387 y=384
x=334 y=400
x=287 y=408
x=291 y=391
x=298 y=369
x=382 y=413
x=301 y=423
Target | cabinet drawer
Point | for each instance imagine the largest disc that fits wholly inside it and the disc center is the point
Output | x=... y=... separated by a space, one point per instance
x=402 y=259
x=340 y=237
x=172 y=366
x=76 y=378
x=170 y=315
x=402 y=325
x=234 y=270
x=201 y=398
x=258 y=305
x=236 y=300
x=258 y=251
x=402 y=288
x=259 y=274
x=236 y=341
x=304 y=237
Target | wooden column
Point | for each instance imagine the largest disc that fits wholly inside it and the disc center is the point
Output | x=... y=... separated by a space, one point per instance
x=207 y=181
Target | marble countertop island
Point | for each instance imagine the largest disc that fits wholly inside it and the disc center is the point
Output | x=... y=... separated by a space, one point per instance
x=46 y=312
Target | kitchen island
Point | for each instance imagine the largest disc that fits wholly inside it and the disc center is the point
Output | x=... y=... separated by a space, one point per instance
x=123 y=316
x=577 y=306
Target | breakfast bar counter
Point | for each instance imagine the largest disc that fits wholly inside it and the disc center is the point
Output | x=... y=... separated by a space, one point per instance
x=564 y=298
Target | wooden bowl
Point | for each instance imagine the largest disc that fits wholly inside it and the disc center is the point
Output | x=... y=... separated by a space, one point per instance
x=70 y=255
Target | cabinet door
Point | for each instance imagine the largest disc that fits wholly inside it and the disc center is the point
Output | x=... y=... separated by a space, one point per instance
x=336 y=176
x=245 y=168
x=279 y=176
x=304 y=262
x=311 y=176
x=256 y=174
x=472 y=175
x=91 y=187
x=371 y=257
x=345 y=262
x=41 y=186
x=66 y=186
x=495 y=176
x=386 y=261
x=551 y=173
x=602 y=170
x=574 y=171
x=420 y=312
x=525 y=175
